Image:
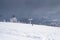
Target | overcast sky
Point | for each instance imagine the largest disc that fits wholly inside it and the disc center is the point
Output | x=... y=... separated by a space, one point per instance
x=31 y=8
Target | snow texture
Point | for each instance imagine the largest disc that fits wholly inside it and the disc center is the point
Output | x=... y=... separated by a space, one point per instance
x=21 y=31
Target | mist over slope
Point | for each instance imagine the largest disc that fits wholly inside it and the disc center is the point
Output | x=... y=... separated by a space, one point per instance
x=36 y=9
x=31 y=8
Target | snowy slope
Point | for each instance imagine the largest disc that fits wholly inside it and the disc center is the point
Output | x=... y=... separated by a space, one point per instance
x=20 y=31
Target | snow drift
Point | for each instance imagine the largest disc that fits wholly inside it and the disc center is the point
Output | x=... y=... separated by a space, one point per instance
x=21 y=31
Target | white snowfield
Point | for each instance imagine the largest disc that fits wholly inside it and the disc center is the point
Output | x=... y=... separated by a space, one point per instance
x=20 y=31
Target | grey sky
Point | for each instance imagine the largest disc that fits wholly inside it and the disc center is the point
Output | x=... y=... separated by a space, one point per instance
x=31 y=8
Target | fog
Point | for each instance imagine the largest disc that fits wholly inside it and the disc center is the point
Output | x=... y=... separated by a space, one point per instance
x=30 y=8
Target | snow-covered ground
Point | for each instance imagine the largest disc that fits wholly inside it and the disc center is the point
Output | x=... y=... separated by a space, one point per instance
x=20 y=31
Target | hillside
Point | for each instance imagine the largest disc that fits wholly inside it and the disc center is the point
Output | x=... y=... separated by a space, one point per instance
x=21 y=31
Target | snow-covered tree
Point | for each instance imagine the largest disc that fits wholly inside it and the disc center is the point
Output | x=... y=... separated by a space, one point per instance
x=13 y=19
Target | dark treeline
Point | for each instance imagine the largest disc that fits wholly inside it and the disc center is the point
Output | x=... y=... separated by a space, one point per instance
x=41 y=21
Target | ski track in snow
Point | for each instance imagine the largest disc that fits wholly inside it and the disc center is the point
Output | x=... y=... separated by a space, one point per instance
x=20 y=31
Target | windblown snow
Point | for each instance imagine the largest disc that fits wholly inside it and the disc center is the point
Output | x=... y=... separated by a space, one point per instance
x=21 y=31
